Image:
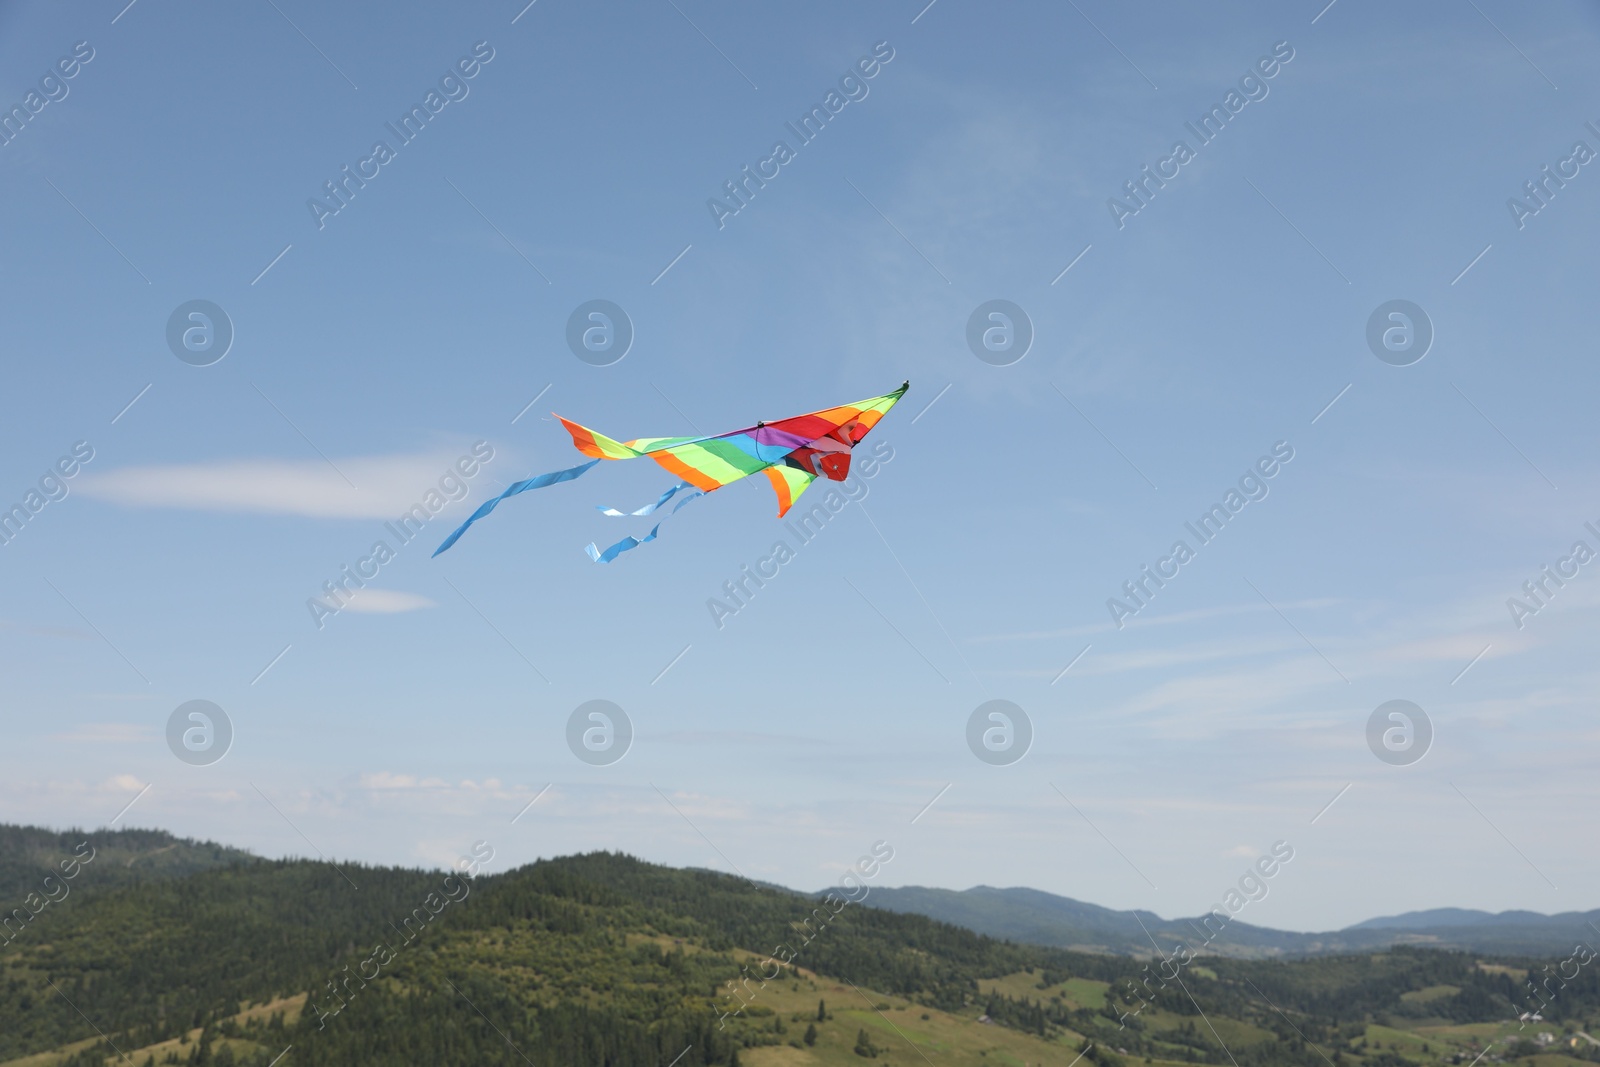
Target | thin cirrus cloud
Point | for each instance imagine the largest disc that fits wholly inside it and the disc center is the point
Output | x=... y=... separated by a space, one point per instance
x=107 y=733
x=390 y=781
x=385 y=601
x=361 y=487
x=1175 y=618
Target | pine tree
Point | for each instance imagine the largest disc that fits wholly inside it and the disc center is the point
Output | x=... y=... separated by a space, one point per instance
x=822 y=1011
x=811 y=1034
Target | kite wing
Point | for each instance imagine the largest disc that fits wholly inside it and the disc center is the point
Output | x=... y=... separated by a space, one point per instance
x=793 y=452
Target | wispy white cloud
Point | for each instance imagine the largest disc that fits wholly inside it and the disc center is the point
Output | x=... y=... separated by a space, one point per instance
x=1175 y=618
x=695 y=805
x=67 y=632
x=378 y=487
x=110 y=733
x=1458 y=648
x=733 y=737
x=389 y=780
x=386 y=601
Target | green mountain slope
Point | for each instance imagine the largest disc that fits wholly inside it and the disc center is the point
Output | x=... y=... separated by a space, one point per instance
x=602 y=959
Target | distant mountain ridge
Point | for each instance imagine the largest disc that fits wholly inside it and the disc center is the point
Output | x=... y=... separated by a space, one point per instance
x=1033 y=916
x=1020 y=914
x=1441 y=917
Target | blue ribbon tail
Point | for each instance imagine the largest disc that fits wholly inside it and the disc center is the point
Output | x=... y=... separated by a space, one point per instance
x=648 y=508
x=630 y=542
x=621 y=546
x=538 y=481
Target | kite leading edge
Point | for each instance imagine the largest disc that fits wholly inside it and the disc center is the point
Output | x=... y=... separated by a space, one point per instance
x=792 y=452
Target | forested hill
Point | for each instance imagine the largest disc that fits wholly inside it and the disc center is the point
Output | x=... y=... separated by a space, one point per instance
x=29 y=854
x=603 y=959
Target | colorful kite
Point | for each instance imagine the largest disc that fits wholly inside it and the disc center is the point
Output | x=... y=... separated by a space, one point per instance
x=792 y=452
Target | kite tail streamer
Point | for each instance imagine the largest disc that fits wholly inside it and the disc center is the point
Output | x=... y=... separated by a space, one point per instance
x=621 y=546
x=648 y=508
x=631 y=542
x=538 y=481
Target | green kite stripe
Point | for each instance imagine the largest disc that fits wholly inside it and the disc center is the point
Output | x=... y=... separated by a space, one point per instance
x=718 y=459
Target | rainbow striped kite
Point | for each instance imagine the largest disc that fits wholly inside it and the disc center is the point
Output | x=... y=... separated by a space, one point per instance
x=792 y=452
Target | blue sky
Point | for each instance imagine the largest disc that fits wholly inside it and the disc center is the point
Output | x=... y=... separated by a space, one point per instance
x=1222 y=318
